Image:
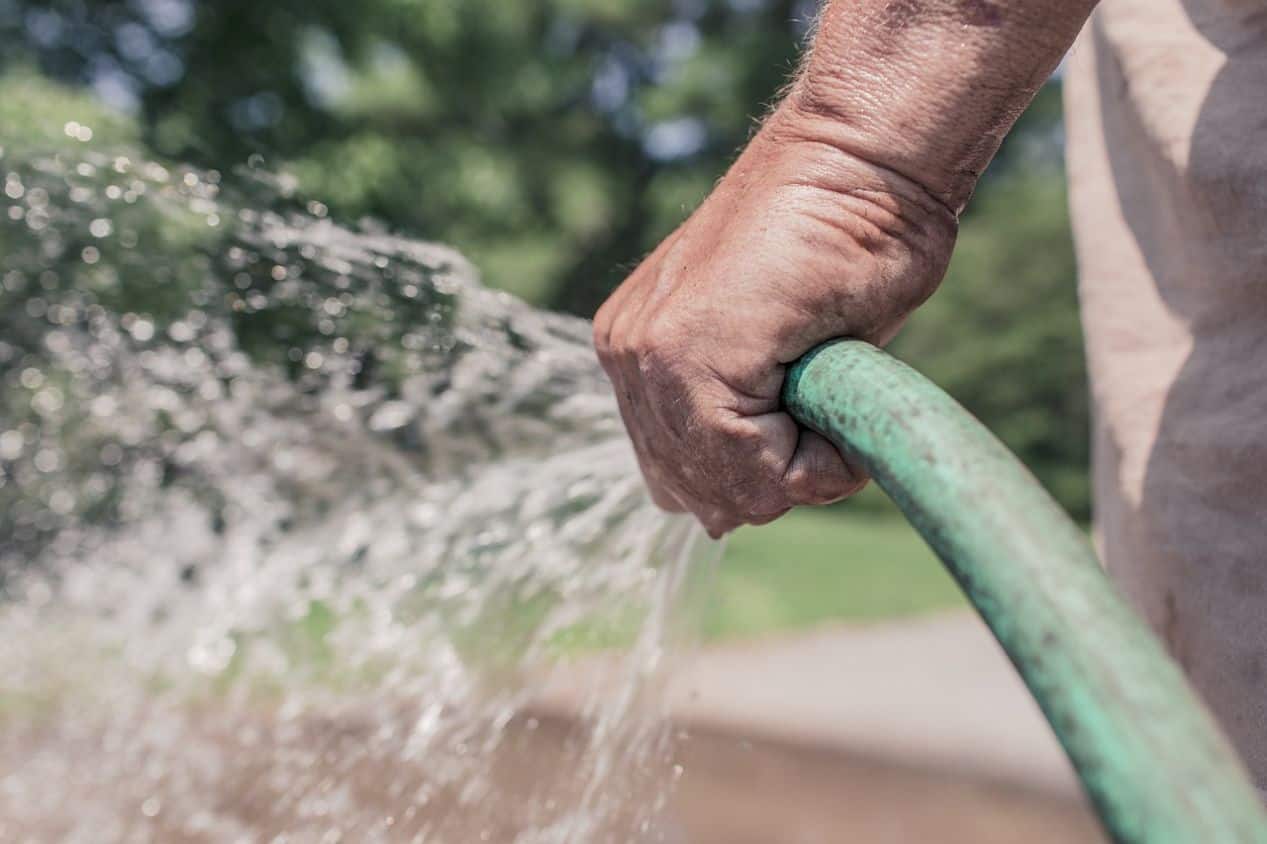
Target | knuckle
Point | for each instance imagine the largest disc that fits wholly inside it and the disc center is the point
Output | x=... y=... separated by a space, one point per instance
x=660 y=341
x=624 y=347
x=763 y=506
x=747 y=441
x=661 y=328
x=648 y=360
x=755 y=496
x=602 y=335
x=801 y=477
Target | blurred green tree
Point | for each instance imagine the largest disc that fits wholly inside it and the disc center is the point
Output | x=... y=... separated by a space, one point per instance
x=554 y=140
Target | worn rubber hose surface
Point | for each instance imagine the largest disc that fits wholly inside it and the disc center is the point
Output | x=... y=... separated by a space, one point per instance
x=1149 y=755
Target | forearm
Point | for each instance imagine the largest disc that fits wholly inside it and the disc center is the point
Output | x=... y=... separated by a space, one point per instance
x=928 y=88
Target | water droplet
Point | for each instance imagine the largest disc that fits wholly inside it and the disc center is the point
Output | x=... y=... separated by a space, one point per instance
x=11 y=443
x=391 y=415
x=47 y=460
x=61 y=502
x=47 y=401
x=211 y=655
x=111 y=455
x=180 y=331
x=31 y=378
x=141 y=330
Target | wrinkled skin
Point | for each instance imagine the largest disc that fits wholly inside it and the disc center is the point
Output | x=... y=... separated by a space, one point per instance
x=799 y=243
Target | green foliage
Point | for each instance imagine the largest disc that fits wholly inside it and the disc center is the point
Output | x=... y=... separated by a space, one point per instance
x=41 y=117
x=817 y=566
x=553 y=141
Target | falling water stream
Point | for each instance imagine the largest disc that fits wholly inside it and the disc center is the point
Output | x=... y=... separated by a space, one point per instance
x=295 y=521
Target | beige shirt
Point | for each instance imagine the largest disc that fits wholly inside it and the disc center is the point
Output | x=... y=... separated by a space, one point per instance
x=1167 y=131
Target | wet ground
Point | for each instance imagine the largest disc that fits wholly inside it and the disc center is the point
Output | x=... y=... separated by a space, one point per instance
x=742 y=792
x=728 y=790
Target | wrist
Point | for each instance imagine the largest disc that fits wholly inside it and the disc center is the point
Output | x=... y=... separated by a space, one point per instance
x=872 y=242
x=799 y=147
x=929 y=88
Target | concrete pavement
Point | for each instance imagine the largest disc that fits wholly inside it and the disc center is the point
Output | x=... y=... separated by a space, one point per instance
x=934 y=692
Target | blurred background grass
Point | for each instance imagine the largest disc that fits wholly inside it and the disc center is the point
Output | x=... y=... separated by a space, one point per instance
x=825 y=565
x=554 y=142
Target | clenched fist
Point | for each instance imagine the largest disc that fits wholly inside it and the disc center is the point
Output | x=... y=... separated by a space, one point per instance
x=801 y=242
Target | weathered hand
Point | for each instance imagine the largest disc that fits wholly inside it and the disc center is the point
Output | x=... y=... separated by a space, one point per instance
x=799 y=243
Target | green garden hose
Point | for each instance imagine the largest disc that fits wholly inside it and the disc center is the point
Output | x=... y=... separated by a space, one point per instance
x=1150 y=757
